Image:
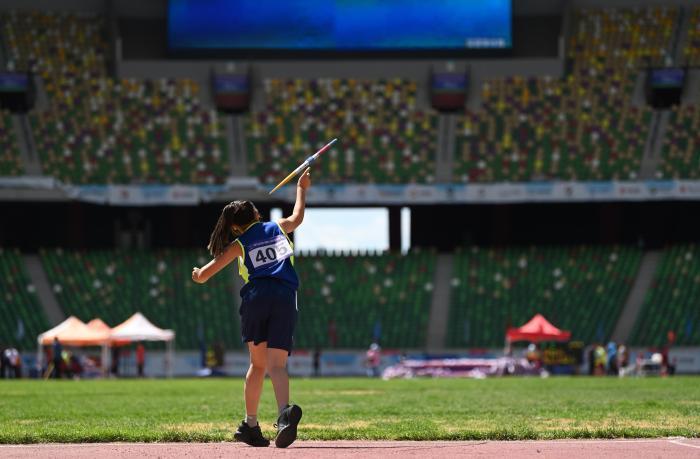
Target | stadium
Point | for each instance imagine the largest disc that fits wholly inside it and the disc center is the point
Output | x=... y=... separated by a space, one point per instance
x=500 y=254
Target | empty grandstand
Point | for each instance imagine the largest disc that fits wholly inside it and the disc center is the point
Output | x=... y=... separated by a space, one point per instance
x=582 y=289
x=98 y=129
x=10 y=162
x=22 y=315
x=386 y=139
x=349 y=300
x=670 y=304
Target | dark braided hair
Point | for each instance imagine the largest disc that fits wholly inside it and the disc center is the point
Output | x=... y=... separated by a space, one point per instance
x=238 y=213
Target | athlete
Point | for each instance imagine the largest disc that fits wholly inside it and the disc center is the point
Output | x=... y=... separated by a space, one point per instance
x=268 y=304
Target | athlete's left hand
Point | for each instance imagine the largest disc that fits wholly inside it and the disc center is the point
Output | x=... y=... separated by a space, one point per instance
x=305 y=179
x=196 y=275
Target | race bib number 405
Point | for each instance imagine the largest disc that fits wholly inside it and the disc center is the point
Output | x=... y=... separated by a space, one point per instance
x=270 y=251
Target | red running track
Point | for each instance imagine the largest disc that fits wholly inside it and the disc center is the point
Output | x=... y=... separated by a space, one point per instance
x=569 y=449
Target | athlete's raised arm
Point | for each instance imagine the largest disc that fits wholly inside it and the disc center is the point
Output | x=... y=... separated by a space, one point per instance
x=291 y=223
x=201 y=275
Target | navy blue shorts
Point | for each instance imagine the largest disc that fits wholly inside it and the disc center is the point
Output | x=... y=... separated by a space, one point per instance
x=268 y=313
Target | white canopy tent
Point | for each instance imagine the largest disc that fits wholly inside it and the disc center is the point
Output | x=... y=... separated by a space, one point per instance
x=139 y=328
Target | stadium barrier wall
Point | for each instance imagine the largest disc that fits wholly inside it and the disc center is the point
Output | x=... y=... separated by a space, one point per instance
x=493 y=193
x=339 y=363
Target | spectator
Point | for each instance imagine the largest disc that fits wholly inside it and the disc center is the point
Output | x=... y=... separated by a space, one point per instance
x=317 y=361
x=140 y=358
x=211 y=358
x=219 y=354
x=639 y=364
x=532 y=354
x=373 y=360
x=16 y=361
x=12 y=363
x=623 y=359
x=613 y=369
x=115 y=361
x=65 y=364
x=3 y=363
x=667 y=368
x=57 y=358
x=601 y=360
x=76 y=369
x=591 y=358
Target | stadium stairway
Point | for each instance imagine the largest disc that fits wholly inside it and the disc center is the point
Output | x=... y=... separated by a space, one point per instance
x=654 y=148
x=692 y=88
x=653 y=145
x=639 y=98
x=236 y=138
x=48 y=301
x=682 y=35
x=31 y=163
x=635 y=300
x=446 y=145
x=440 y=303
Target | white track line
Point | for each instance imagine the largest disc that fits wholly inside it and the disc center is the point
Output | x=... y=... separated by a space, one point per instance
x=680 y=443
x=592 y=440
x=379 y=443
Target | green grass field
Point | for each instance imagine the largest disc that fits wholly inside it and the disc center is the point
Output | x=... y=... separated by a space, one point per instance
x=353 y=408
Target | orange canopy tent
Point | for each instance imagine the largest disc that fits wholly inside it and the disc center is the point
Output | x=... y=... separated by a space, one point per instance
x=99 y=325
x=536 y=330
x=73 y=332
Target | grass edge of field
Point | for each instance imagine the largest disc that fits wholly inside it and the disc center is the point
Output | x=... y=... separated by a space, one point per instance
x=8 y=438
x=49 y=423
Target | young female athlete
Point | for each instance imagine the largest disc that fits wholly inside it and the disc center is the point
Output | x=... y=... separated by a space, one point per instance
x=268 y=304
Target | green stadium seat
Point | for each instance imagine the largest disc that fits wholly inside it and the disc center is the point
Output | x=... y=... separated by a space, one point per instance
x=581 y=289
x=100 y=130
x=22 y=318
x=691 y=50
x=358 y=291
x=383 y=137
x=112 y=285
x=580 y=127
x=679 y=156
x=10 y=162
x=671 y=304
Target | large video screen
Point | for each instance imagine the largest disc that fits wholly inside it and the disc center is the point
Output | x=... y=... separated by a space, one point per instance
x=339 y=25
x=667 y=78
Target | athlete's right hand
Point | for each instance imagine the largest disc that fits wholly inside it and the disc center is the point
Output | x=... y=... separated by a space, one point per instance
x=305 y=179
x=196 y=275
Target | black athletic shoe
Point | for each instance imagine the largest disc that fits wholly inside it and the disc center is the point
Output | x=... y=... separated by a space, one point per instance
x=287 y=426
x=250 y=435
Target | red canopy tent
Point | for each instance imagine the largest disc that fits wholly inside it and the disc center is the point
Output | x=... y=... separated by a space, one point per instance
x=536 y=330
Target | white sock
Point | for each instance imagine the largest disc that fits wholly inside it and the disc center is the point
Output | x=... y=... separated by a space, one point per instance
x=251 y=420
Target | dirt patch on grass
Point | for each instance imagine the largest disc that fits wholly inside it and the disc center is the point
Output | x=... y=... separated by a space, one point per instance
x=28 y=421
x=343 y=426
x=199 y=427
x=351 y=392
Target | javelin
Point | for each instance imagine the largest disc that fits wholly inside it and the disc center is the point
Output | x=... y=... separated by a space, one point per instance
x=307 y=162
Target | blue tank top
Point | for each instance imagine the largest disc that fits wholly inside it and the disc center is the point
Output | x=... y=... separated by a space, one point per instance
x=267 y=253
